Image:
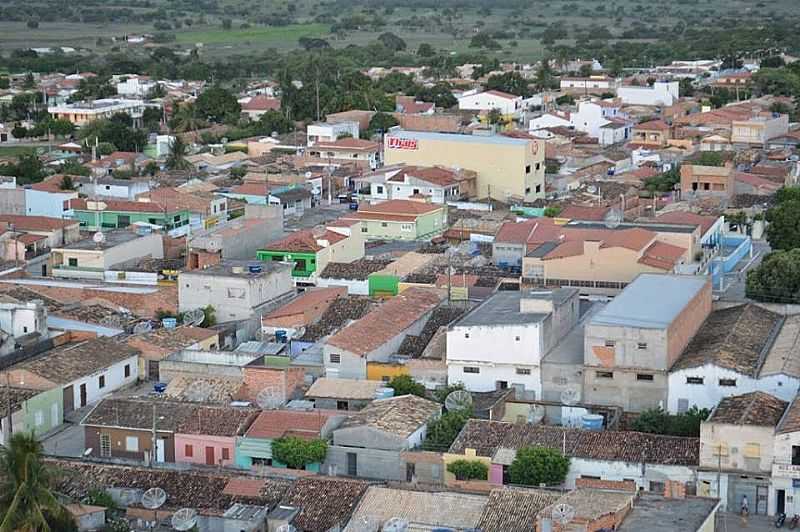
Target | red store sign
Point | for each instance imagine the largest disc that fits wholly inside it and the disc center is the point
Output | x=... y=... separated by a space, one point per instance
x=399 y=143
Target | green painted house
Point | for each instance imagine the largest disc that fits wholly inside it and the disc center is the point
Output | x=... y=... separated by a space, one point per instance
x=254 y=448
x=113 y=214
x=401 y=220
x=33 y=411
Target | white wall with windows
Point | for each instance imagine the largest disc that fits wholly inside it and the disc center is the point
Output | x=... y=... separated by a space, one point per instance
x=704 y=386
x=102 y=383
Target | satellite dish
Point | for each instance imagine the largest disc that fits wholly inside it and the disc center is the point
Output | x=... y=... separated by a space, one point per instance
x=286 y=528
x=154 y=498
x=269 y=398
x=99 y=237
x=184 y=519
x=458 y=400
x=142 y=327
x=212 y=245
x=563 y=513
x=308 y=175
x=194 y=317
x=536 y=414
x=613 y=218
x=569 y=396
x=199 y=392
x=395 y=524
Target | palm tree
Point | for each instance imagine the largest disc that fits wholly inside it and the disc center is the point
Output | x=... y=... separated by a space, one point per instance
x=186 y=118
x=176 y=158
x=26 y=502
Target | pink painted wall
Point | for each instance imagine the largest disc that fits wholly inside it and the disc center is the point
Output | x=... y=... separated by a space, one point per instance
x=495 y=473
x=199 y=444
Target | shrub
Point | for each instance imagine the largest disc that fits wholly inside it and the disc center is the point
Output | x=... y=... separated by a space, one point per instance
x=469 y=470
x=297 y=453
x=538 y=465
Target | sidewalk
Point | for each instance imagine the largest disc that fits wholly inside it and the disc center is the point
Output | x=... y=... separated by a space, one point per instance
x=729 y=522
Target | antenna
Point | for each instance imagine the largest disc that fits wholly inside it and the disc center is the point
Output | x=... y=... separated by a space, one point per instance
x=563 y=513
x=154 y=498
x=142 y=327
x=395 y=524
x=194 y=317
x=184 y=519
x=536 y=414
x=458 y=400
x=269 y=398
x=613 y=218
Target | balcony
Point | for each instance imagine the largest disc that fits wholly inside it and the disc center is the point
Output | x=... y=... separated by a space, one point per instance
x=36 y=252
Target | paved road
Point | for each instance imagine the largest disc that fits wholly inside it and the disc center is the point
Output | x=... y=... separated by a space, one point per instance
x=728 y=522
x=735 y=281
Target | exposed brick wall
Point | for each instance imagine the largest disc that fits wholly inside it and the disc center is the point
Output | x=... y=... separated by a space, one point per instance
x=674 y=489
x=622 y=485
x=686 y=324
x=256 y=379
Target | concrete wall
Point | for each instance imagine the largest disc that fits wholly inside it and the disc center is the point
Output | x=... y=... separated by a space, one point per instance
x=12 y=201
x=505 y=253
x=746 y=448
x=119 y=438
x=39 y=203
x=625 y=389
x=114 y=380
x=371 y=463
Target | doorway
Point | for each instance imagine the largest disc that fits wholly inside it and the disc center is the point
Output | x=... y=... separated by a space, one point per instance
x=160 y=447
x=69 y=399
x=83 y=395
x=780 y=497
x=209 y=456
x=352 y=464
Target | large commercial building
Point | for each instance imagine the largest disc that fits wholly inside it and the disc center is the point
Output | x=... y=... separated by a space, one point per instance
x=509 y=169
x=80 y=113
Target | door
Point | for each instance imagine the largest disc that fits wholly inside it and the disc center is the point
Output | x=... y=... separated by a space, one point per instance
x=411 y=472
x=69 y=399
x=160 y=450
x=352 y=464
x=210 y=456
x=83 y=395
x=781 y=501
x=152 y=370
x=44 y=270
x=55 y=420
x=762 y=492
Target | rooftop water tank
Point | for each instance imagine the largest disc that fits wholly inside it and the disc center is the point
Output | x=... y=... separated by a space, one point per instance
x=169 y=323
x=592 y=421
x=384 y=393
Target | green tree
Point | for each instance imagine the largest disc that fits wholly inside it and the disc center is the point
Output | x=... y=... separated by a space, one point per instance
x=26 y=500
x=66 y=183
x=544 y=79
x=74 y=167
x=392 y=41
x=176 y=157
x=510 y=82
x=776 y=81
x=538 y=465
x=62 y=127
x=405 y=385
x=658 y=421
x=94 y=88
x=585 y=70
x=218 y=105
x=425 y=50
x=28 y=169
x=381 y=122
x=495 y=116
x=566 y=99
x=468 y=470
x=297 y=453
x=151 y=119
x=227 y=23
x=187 y=118
x=484 y=40
x=783 y=231
x=776 y=279
x=4 y=82
x=210 y=316
x=443 y=431
x=552 y=211
x=274 y=122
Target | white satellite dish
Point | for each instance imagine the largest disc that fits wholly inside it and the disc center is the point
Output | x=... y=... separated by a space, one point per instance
x=154 y=498
x=99 y=237
x=458 y=400
x=569 y=396
x=194 y=317
x=536 y=414
x=184 y=519
x=142 y=327
x=212 y=245
x=563 y=513
x=395 y=524
x=308 y=175
x=269 y=398
x=613 y=218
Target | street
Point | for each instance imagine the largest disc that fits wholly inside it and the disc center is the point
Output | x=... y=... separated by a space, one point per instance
x=735 y=281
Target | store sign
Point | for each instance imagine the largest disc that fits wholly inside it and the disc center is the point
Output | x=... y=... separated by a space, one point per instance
x=399 y=143
x=786 y=471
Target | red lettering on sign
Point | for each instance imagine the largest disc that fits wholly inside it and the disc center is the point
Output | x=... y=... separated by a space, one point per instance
x=399 y=143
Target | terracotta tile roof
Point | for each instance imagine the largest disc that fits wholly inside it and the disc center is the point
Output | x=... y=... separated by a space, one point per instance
x=244 y=487
x=515 y=232
x=432 y=174
x=755 y=408
x=757 y=181
x=127 y=206
x=486 y=437
x=501 y=94
x=315 y=298
x=514 y=509
x=298 y=242
x=784 y=355
x=28 y=238
x=262 y=103
x=405 y=207
x=215 y=421
x=324 y=503
x=12 y=397
x=179 y=198
x=386 y=321
x=688 y=218
x=584 y=213
x=401 y=416
x=221 y=390
x=735 y=338
x=330 y=388
x=791 y=418
x=69 y=362
x=36 y=223
x=408 y=104
x=137 y=414
x=662 y=255
x=167 y=341
x=653 y=125
x=272 y=424
x=52 y=184
x=567 y=248
x=635 y=238
x=251 y=189
x=349 y=143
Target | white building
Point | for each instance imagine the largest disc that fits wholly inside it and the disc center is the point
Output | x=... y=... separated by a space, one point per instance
x=402 y=182
x=603 y=120
x=784 y=495
x=592 y=84
x=238 y=290
x=500 y=343
x=554 y=119
x=135 y=86
x=19 y=319
x=91 y=259
x=325 y=132
x=110 y=187
x=662 y=94
x=80 y=113
x=508 y=104
x=738 y=350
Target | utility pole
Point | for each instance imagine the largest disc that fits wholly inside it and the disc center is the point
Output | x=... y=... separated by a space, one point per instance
x=154 y=443
x=8 y=403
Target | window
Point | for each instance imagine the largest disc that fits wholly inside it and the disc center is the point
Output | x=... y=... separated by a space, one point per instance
x=386 y=378
x=407 y=227
x=466 y=335
x=379 y=189
x=105 y=445
x=236 y=293
x=641 y=345
x=657 y=487
x=73 y=262
x=795 y=454
x=342 y=405
x=538 y=188
x=188 y=450
x=176 y=218
x=719 y=449
x=610 y=343
x=523 y=371
x=38 y=418
x=471 y=369
x=127 y=370
x=727 y=382
x=752 y=450
x=364 y=229
x=384 y=224
x=25 y=328
x=527 y=190
x=604 y=374
x=694 y=380
x=528 y=169
x=516 y=338
x=335 y=358
x=101 y=381
x=226 y=453
x=132 y=444
x=644 y=377
x=538 y=165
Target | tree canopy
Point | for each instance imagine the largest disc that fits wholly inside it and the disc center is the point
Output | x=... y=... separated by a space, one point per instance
x=297 y=453
x=405 y=385
x=218 y=105
x=538 y=465
x=658 y=421
x=776 y=279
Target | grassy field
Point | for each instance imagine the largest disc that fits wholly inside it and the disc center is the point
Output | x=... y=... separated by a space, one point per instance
x=284 y=37
x=15 y=151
